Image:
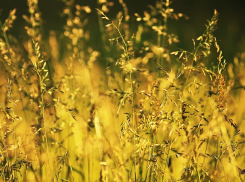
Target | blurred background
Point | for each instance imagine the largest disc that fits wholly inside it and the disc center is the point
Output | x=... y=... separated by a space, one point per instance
x=230 y=32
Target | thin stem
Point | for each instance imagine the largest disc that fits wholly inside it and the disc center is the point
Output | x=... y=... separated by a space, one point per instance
x=133 y=120
x=125 y=44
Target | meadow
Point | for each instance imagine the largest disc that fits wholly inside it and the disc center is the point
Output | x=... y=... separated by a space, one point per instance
x=135 y=108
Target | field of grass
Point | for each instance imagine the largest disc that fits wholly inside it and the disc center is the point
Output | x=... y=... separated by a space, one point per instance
x=132 y=108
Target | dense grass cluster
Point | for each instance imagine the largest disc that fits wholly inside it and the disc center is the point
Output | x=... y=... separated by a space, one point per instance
x=135 y=109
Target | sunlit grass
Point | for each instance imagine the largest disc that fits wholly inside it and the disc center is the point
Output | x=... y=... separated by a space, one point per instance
x=153 y=113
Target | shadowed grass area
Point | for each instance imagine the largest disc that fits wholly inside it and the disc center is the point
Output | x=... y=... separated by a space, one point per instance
x=135 y=109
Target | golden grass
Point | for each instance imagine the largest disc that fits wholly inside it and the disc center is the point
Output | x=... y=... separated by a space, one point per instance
x=153 y=114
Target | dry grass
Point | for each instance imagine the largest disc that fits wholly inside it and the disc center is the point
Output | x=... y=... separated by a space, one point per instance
x=153 y=114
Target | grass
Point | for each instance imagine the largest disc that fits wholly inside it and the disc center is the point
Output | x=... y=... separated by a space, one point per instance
x=137 y=109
